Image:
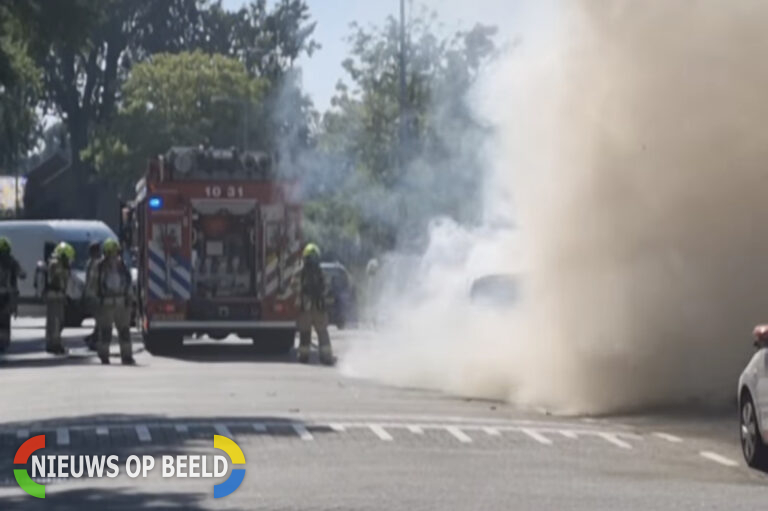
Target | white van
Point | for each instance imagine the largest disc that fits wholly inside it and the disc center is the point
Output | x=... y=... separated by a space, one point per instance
x=33 y=240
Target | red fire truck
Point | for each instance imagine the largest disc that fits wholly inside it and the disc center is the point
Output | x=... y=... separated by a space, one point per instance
x=217 y=242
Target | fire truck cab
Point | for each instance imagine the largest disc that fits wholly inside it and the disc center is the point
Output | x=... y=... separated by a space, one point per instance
x=217 y=243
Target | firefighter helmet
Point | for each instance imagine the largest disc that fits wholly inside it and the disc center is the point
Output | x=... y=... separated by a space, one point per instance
x=110 y=247
x=311 y=250
x=64 y=251
x=5 y=246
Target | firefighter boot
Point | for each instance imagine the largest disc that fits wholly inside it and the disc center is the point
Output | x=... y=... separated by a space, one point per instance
x=126 y=349
x=105 y=339
x=326 y=352
x=305 y=341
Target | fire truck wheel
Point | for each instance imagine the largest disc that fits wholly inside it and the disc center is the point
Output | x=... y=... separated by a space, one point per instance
x=162 y=343
x=275 y=342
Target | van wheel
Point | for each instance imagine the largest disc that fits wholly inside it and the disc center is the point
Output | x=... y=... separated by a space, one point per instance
x=162 y=343
x=752 y=446
x=275 y=341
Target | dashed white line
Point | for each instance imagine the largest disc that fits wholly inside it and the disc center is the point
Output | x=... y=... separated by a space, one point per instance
x=338 y=428
x=713 y=456
x=259 y=427
x=459 y=434
x=181 y=429
x=303 y=433
x=222 y=430
x=62 y=436
x=615 y=440
x=142 y=432
x=22 y=433
x=536 y=436
x=492 y=431
x=102 y=431
x=380 y=432
x=569 y=434
x=669 y=438
x=416 y=430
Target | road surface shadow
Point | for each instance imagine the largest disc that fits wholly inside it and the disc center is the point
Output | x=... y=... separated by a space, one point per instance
x=227 y=352
x=117 y=499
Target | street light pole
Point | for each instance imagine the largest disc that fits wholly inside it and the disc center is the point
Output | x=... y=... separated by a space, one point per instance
x=403 y=89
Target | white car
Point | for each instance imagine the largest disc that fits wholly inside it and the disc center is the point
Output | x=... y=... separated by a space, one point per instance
x=753 y=403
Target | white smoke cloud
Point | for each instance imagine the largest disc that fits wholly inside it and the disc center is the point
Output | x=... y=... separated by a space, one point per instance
x=633 y=141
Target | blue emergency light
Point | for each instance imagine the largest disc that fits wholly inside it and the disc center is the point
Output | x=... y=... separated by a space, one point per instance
x=155 y=203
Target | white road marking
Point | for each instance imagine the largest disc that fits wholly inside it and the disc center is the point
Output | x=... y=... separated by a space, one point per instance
x=259 y=427
x=102 y=431
x=713 y=456
x=62 y=436
x=303 y=433
x=22 y=433
x=492 y=431
x=380 y=432
x=338 y=428
x=536 y=436
x=143 y=433
x=222 y=430
x=669 y=438
x=181 y=429
x=569 y=434
x=416 y=430
x=615 y=440
x=459 y=434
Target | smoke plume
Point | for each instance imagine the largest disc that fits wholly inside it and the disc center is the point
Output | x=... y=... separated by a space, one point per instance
x=634 y=143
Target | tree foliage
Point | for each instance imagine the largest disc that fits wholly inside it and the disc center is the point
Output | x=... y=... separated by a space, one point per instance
x=174 y=99
x=83 y=76
x=404 y=176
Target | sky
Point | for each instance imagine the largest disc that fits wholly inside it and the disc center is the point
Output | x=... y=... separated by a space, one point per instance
x=322 y=71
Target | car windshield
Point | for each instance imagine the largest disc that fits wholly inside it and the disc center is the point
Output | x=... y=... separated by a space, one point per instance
x=81 y=253
x=335 y=277
x=496 y=289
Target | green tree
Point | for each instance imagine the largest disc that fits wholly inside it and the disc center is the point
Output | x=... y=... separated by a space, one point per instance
x=28 y=30
x=18 y=95
x=174 y=99
x=435 y=169
x=83 y=75
x=269 y=41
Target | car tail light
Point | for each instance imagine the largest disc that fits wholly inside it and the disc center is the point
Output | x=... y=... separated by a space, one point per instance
x=761 y=333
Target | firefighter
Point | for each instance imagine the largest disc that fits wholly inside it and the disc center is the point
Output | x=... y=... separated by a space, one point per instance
x=313 y=313
x=114 y=298
x=57 y=280
x=10 y=273
x=90 y=299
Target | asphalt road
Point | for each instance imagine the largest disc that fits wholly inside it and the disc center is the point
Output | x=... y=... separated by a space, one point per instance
x=314 y=439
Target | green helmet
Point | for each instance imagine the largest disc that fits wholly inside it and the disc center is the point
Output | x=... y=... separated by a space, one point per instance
x=64 y=251
x=110 y=247
x=5 y=246
x=311 y=250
